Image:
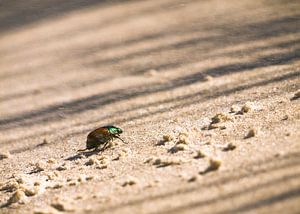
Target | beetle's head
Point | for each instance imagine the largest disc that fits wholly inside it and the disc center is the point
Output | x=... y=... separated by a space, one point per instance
x=114 y=130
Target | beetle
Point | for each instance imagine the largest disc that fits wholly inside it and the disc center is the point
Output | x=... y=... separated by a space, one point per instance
x=101 y=137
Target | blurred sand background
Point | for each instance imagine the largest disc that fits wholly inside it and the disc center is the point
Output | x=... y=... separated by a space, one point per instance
x=154 y=68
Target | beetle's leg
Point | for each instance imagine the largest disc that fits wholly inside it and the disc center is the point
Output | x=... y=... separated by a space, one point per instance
x=116 y=136
x=104 y=146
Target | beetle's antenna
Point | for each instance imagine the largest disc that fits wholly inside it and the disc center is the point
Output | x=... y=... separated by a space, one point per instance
x=120 y=139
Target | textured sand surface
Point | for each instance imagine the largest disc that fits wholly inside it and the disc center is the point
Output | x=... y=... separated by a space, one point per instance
x=218 y=79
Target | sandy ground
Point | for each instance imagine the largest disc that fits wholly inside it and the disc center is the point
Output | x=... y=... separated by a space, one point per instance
x=204 y=74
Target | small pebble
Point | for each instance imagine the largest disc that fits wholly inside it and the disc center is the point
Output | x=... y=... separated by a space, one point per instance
x=44 y=211
x=213 y=126
x=91 y=161
x=220 y=117
x=40 y=166
x=167 y=138
x=178 y=147
x=81 y=178
x=20 y=180
x=151 y=73
x=234 y=109
x=192 y=178
x=51 y=161
x=200 y=154
x=45 y=142
x=296 y=95
x=251 y=133
x=72 y=183
x=4 y=155
x=101 y=167
x=62 y=167
x=166 y=161
x=89 y=178
x=78 y=197
x=129 y=181
x=62 y=206
x=57 y=186
x=208 y=78
x=18 y=196
x=229 y=147
x=37 y=183
x=182 y=139
x=51 y=175
x=30 y=191
x=10 y=186
x=214 y=164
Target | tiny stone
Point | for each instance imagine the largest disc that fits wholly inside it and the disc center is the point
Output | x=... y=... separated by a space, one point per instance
x=208 y=78
x=40 y=166
x=30 y=192
x=129 y=182
x=72 y=183
x=61 y=168
x=192 y=179
x=10 y=186
x=61 y=206
x=81 y=178
x=44 y=211
x=89 y=178
x=234 y=109
x=148 y=160
x=18 y=179
x=91 y=161
x=247 y=107
x=285 y=117
x=213 y=126
x=151 y=72
x=214 y=164
x=4 y=155
x=101 y=167
x=178 y=147
x=57 y=186
x=296 y=95
x=220 y=117
x=18 y=196
x=200 y=154
x=166 y=161
x=104 y=162
x=78 y=197
x=229 y=147
x=251 y=133
x=167 y=138
x=222 y=127
x=51 y=161
x=183 y=140
x=37 y=183
x=51 y=175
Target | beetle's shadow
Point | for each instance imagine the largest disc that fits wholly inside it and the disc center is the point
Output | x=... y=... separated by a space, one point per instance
x=85 y=154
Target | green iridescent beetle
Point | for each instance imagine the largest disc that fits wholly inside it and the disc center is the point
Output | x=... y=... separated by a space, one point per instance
x=101 y=137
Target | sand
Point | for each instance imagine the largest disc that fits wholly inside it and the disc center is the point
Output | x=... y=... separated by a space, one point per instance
x=206 y=92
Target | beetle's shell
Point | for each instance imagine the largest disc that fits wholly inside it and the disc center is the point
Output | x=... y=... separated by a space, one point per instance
x=97 y=137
